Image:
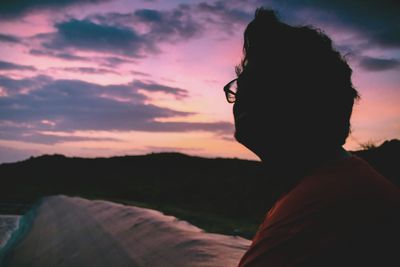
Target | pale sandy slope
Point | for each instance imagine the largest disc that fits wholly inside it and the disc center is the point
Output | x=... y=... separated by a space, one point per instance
x=76 y=232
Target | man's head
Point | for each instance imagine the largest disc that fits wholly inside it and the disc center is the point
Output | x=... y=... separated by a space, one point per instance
x=294 y=91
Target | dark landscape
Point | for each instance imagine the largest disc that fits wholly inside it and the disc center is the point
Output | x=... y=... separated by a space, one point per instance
x=219 y=195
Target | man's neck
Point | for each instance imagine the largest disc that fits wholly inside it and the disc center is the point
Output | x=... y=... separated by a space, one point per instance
x=304 y=157
x=285 y=170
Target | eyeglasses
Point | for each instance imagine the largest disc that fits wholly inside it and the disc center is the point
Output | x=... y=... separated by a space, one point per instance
x=230 y=91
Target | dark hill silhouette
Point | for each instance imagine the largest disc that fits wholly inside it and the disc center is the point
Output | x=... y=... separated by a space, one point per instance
x=205 y=191
x=385 y=158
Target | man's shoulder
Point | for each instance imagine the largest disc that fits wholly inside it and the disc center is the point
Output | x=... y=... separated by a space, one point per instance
x=351 y=177
x=348 y=185
x=342 y=210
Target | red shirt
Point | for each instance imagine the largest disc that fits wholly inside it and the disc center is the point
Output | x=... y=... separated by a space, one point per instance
x=343 y=214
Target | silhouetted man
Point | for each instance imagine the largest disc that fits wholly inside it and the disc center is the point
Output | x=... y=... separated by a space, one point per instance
x=293 y=100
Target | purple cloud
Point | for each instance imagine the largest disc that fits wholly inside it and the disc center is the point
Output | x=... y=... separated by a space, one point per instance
x=32 y=134
x=224 y=15
x=21 y=86
x=10 y=9
x=215 y=127
x=7 y=38
x=114 y=61
x=379 y=64
x=4 y=65
x=41 y=103
x=377 y=22
x=90 y=70
x=118 y=34
x=89 y=36
x=169 y=25
x=156 y=87
x=61 y=55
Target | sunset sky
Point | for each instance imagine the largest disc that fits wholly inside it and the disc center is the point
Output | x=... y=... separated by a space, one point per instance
x=101 y=78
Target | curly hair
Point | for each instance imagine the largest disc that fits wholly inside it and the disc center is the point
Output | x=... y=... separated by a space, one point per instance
x=298 y=65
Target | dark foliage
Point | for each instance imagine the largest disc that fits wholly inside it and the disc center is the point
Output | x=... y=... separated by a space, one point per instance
x=226 y=188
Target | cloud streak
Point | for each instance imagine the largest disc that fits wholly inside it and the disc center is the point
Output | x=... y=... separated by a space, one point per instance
x=156 y=87
x=90 y=70
x=60 y=55
x=379 y=64
x=12 y=87
x=4 y=65
x=170 y=25
x=10 y=9
x=220 y=13
x=33 y=134
x=7 y=38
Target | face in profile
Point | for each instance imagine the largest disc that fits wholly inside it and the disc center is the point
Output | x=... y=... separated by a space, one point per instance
x=249 y=129
x=245 y=129
x=259 y=117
